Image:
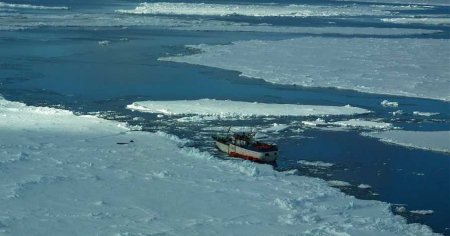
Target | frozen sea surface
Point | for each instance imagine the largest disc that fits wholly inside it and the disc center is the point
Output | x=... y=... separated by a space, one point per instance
x=63 y=174
x=404 y=67
x=254 y=10
x=87 y=57
x=431 y=140
x=232 y=109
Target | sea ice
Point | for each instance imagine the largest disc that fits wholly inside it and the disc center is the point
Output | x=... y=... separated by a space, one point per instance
x=429 y=140
x=319 y=164
x=422 y=212
x=238 y=109
x=256 y=10
x=421 y=113
x=28 y=6
x=406 y=67
x=419 y=2
x=358 y=123
x=314 y=123
x=338 y=183
x=364 y=186
x=26 y=20
x=421 y=20
x=74 y=179
x=386 y=103
x=275 y=128
x=103 y=43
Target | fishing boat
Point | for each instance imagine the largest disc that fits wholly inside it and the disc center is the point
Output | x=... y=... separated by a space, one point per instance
x=243 y=145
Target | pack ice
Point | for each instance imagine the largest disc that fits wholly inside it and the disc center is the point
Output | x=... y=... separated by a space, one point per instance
x=63 y=174
x=428 y=140
x=405 y=67
x=232 y=109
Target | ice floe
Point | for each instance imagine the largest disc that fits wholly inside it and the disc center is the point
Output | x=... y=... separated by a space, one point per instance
x=364 y=186
x=275 y=128
x=256 y=10
x=421 y=20
x=422 y=212
x=418 y=2
x=429 y=140
x=405 y=67
x=386 y=103
x=359 y=123
x=352 y=123
x=397 y=112
x=27 y=20
x=232 y=109
x=73 y=177
x=421 y=113
x=28 y=6
x=314 y=123
x=338 y=183
x=104 y=43
x=319 y=164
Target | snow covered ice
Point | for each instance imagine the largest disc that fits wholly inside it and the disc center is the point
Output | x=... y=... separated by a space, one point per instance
x=66 y=174
x=28 y=6
x=404 y=67
x=428 y=140
x=256 y=10
x=358 y=123
x=233 y=109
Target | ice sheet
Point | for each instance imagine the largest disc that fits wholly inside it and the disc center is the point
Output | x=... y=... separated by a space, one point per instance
x=429 y=140
x=238 y=109
x=405 y=67
x=66 y=174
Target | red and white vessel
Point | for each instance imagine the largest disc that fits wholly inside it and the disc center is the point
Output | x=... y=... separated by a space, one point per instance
x=243 y=145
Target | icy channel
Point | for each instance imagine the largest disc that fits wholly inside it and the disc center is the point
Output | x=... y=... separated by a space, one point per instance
x=405 y=67
x=238 y=109
x=65 y=174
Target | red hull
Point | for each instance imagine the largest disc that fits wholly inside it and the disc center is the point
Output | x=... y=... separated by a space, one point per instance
x=237 y=155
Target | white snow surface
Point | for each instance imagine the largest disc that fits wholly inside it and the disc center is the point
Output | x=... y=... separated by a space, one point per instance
x=428 y=140
x=233 y=109
x=275 y=128
x=422 y=212
x=338 y=183
x=64 y=174
x=14 y=20
x=256 y=10
x=386 y=103
x=405 y=67
x=422 y=113
x=364 y=186
x=421 y=20
x=319 y=164
x=28 y=6
x=419 y=2
x=359 y=123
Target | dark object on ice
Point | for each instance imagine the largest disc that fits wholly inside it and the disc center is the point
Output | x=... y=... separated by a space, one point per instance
x=123 y=143
x=243 y=145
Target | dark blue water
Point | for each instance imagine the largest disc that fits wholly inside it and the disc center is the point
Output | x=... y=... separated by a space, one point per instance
x=65 y=67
